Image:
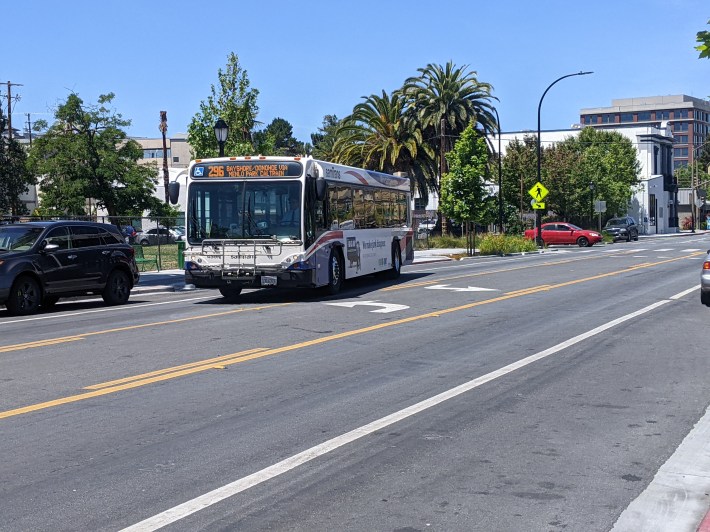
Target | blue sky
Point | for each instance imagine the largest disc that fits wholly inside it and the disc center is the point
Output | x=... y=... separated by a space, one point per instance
x=313 y=58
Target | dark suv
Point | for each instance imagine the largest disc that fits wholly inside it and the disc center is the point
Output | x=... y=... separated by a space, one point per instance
x=623 y=228
x=43 y=261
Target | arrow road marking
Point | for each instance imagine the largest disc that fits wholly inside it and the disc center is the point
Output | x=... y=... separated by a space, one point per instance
x=456 y=289
x=385 y=307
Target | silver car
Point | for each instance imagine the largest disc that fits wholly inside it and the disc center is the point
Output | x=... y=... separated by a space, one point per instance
x=151 y=237
x=705 y=281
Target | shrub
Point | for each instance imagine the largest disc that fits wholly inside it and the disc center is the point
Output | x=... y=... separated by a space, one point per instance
x=504 y=244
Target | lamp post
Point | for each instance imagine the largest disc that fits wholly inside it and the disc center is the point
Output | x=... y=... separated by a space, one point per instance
x=538 y=217
x=591 y=203
x=221 y=131
x=500 y=179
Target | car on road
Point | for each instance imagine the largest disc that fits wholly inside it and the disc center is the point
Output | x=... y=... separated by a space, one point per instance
x=622 y=228
x=564 y=233
x=425 y=227
x=161 y=235
x=705 y=281
x=43 y=261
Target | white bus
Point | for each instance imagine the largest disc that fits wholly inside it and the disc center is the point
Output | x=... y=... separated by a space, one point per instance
x=292 y=222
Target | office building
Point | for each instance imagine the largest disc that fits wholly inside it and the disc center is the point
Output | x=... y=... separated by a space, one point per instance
x=688 y=118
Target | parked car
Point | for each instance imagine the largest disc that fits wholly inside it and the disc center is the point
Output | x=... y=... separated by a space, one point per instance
x=151 y=237
x=43 y=261
x=705 y=281
x=178 y=233
x=623 y=228
x=565 y=233
x=426 y=226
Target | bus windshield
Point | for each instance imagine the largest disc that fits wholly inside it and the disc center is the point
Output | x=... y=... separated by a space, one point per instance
x=244 y=210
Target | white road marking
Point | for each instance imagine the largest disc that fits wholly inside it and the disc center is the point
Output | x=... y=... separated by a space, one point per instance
x=457 y=289
x=106 y=309
x=385 y=307
x=662 y=250
x=685 y=292
x=206 y=500
x=691 y=250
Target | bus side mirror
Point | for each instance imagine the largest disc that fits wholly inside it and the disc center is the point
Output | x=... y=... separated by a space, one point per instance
x=174 y=192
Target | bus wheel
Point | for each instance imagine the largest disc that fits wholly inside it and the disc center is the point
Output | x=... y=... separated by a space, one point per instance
x=230 y=292
x=335 y=271
x=396 y=261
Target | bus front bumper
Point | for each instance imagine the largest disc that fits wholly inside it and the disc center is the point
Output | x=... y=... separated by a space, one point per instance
x=249 y=279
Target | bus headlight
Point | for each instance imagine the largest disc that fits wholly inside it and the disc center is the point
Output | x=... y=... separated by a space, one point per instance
x=295 y=262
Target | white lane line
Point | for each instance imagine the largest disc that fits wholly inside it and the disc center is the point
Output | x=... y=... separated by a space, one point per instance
x=201 y=502
x=685 y=292
x=106 y=309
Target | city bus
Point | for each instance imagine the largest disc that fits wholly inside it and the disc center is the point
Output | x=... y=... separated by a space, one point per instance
x=292 y=222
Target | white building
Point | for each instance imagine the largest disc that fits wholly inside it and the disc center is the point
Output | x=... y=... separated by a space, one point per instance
x=654 y=203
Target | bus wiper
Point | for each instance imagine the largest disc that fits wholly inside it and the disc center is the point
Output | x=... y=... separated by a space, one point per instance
x=251 y=221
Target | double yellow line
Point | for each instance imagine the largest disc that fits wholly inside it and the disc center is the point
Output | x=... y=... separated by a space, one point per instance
x=222 y=362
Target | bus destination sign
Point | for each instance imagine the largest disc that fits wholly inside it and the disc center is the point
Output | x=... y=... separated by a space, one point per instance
x=247 y=169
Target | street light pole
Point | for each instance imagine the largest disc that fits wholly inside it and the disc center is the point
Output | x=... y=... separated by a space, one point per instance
x=500 y=179
x=538 y=216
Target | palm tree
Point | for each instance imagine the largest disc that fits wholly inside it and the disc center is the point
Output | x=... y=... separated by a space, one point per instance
x=381 y=136
x=445 y=100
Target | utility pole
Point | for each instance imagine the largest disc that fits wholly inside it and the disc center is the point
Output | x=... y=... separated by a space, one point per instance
x=29 y=128
x=9 y=108
x=164 y=129
x=442 y=169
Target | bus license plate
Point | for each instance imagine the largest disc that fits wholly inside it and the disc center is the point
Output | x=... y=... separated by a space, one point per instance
x=268 y=280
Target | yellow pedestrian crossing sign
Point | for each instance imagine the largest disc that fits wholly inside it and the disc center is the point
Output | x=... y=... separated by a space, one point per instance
x=538 y=191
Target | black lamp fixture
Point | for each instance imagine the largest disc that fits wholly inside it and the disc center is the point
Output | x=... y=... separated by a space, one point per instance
x=221 y=131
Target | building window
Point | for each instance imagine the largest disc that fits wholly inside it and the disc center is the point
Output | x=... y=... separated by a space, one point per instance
x=627 y=117
x=663 y=115
x=680 y=113
x=680 y=152
x=608 y=118
x=154 y=154
x=644 y=116
x=176 y=159
x=681 y=139
x=679 y=164
x=680 y=126
x=419 y=204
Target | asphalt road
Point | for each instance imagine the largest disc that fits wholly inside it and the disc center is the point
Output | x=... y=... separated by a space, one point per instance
x=538 y=392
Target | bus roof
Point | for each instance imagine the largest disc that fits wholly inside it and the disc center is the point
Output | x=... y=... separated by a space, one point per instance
x=330 y=171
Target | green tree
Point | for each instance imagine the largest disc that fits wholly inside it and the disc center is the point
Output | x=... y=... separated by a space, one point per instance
x=703 y=38
x=519 y=175
x=454 y=97
x=379 y=135
x=603 y=166
x=87 y=154
x=235 y=103
x=463 y=189
x=15 y=179
x=323 y=140
x=279 y=134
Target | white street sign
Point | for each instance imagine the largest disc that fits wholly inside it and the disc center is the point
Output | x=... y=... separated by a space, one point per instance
x=457 y=289
x=385 y=307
